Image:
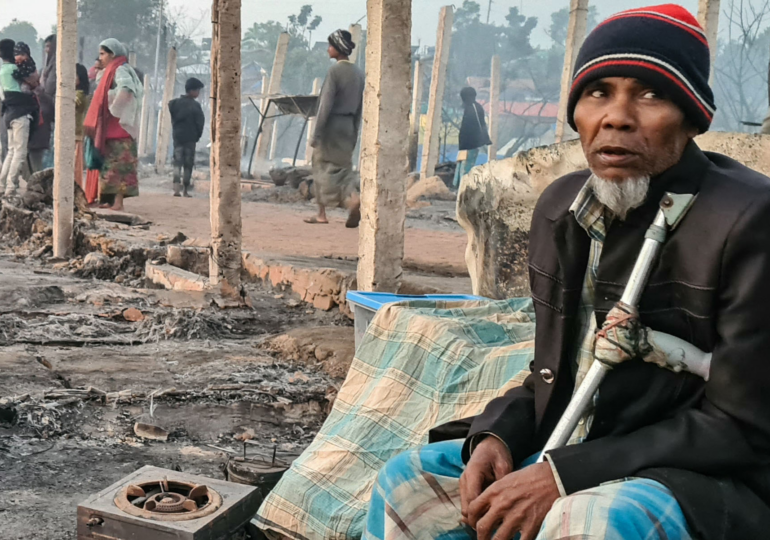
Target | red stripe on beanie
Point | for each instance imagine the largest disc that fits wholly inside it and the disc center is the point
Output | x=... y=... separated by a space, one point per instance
x=646 y=65
x=670 y=10
x=678 y=24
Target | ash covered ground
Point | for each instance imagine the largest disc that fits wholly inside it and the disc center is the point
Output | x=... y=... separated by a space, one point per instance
x=87 y=352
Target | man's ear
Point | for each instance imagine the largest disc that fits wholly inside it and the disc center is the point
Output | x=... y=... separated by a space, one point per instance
x=690 y=130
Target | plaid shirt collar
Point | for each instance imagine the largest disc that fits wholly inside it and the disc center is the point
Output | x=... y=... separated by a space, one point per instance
x=589 y=212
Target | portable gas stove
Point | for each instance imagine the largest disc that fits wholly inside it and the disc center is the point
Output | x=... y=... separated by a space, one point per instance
x=158 y=503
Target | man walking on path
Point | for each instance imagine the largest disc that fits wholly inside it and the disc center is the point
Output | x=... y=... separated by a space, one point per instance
x=336 y=132
x=187 y=120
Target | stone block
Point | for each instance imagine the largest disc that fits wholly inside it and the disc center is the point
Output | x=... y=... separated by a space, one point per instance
x=325 y=303
x=320 y=286
x=429 y=188
x=18 y=221
x=333 y=347
x=496 y=200
x=192 y=259
x=175 y=279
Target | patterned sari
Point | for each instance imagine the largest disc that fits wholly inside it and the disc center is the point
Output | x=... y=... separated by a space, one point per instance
x=112 y=122
x=118 y=175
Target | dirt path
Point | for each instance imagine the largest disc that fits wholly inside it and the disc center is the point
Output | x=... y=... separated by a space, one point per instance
x=279 y=229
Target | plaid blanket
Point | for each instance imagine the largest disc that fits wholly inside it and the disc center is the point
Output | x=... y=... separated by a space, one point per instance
x=421 y=364
x=417 y=495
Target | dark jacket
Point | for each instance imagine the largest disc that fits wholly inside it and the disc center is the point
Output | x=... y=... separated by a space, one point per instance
x=17 y=105
x=41 y=138
x=473 y=130
x=187 y=119
x=709 y=442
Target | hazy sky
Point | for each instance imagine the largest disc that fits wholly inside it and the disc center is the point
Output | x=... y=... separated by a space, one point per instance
x=335 y=13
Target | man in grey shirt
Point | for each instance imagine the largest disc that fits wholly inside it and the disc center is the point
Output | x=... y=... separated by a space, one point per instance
x=336 y=133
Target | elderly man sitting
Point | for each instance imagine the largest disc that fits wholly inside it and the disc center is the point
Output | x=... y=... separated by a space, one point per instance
x=661 y=455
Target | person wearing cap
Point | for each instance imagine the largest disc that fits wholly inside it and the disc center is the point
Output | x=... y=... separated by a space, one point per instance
x=660 y=454
x=188 y=121
x=338 y=120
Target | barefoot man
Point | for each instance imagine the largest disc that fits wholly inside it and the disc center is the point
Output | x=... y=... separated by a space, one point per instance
x=336 y=132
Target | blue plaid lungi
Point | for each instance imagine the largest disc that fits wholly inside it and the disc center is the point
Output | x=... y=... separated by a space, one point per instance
x=417 y=496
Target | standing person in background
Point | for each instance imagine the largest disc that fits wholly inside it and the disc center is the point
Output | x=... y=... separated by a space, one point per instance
x=112 y=122
x=187 y=120
x=93 y=167
x=473 y=134
x=19 y=111
x=48 y=90
x=40 y=140
x=48 y=79
x=29 y=78
x=94 y=74
x=81 y=106
x=336 y=132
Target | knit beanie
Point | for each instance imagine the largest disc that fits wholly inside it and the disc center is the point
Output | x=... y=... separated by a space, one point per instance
x=342 y=40
x=661 y=45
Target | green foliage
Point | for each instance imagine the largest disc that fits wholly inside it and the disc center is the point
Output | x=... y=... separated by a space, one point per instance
x=133 y=22
x=560 y=21
x=519 y=33
x=475 y=42
x=302 y=63
x=23 y=31
x=302 y=23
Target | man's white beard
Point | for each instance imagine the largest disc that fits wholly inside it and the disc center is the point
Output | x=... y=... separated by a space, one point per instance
x=620 y=197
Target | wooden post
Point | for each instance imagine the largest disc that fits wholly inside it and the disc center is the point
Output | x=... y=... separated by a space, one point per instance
x=311 y=124
x=164 y=121
x=708 y=17
x=145 y=123
x=244 y=136
x=356 y=33
x=132 y=59
x=155 y=117
x=225 y=262
x=436 y=100
x=576 y=33
x=64 y=130
x=274 y=140
x=265 y=90
x=414 y=119
x=494 y=107
x=275 y=88
x=384 y=145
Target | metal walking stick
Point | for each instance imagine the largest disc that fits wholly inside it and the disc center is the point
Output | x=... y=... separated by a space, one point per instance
x=610 y=351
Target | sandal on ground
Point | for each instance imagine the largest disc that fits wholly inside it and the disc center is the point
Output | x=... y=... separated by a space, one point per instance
x=315 y=221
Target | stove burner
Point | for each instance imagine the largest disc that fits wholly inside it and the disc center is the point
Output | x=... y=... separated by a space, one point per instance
x=168 y=500
x=125 y=511
x=169 y=503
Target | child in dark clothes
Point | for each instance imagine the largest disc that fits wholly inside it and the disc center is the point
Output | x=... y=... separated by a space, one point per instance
x=26 y=70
